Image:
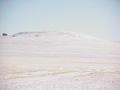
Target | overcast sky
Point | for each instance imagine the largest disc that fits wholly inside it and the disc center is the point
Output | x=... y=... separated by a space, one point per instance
x=100 y=18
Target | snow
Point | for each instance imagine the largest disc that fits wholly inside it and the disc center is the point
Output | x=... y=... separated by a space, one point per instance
x=58 y=61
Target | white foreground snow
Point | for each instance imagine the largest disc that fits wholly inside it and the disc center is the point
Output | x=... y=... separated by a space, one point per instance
x=58 y=61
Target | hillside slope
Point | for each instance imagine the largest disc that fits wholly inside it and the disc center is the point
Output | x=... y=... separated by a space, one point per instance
x=52 y=43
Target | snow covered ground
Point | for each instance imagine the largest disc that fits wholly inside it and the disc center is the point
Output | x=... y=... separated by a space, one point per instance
x=58 y=61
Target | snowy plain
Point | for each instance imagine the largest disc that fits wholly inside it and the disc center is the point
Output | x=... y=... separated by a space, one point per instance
x=58 y=61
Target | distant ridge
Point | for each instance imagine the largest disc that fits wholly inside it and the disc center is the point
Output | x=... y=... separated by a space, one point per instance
x=42 y=32
x=58 y=33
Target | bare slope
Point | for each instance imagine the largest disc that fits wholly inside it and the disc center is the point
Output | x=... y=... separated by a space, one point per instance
x=53 y=43
x=58 y=61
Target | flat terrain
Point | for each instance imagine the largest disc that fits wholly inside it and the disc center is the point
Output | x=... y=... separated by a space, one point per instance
x=50 y=73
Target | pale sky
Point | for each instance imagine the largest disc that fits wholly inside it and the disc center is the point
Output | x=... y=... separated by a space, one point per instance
x=100 y=18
